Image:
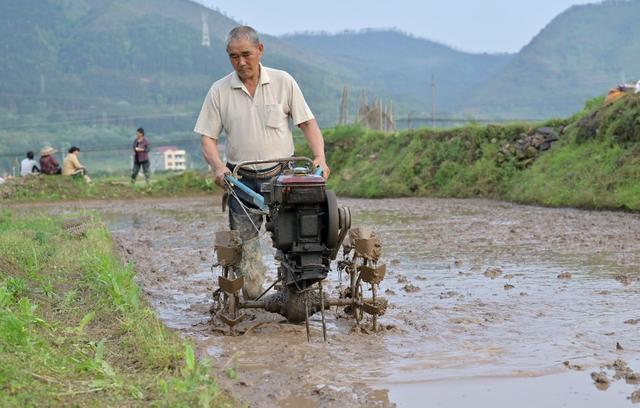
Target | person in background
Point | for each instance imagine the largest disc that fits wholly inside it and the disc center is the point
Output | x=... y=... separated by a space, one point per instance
x=48 y=163
x=140 y=156
x=71 y=165
x=29 y=165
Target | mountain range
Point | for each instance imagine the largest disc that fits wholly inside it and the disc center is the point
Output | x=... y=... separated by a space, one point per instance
x=142 y=62
x=581 y=53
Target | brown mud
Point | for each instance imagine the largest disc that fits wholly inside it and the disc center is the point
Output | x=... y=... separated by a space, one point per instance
x=490 y=304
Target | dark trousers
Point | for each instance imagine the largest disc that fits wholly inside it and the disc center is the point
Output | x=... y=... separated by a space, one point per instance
x=247 y=226
x=79 y=173
x=136 y=170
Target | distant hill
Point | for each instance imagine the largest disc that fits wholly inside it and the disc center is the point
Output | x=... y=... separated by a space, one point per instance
x=581 y=53
x=89 y=72
x=129 y=63
x=124 y=62
x=122 y=52
x=400 y=66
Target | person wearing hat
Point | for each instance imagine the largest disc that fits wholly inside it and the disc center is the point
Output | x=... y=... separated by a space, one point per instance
x=48 y=163
x=71 y=166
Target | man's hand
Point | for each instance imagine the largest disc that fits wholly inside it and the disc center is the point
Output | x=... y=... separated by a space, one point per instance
x=211 y=155
x=322 y=163
x=316 y=143
x=218 y=175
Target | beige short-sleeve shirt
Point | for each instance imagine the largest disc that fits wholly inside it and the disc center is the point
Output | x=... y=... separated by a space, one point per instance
x=70 y=165
x=257 y=128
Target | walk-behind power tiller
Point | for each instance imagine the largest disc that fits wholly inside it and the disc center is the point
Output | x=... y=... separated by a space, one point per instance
x=307 y=228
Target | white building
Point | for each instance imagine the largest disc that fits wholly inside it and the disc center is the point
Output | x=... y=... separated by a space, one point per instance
x=169 y=158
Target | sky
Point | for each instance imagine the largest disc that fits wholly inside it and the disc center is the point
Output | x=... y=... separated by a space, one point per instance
x=468 y=25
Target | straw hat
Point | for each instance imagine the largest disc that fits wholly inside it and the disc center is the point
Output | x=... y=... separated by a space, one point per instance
x=47 y=151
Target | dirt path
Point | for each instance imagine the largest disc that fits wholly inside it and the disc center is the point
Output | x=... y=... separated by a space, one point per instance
x=489 y=302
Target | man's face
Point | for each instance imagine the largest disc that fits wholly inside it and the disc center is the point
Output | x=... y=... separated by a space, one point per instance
x=245 y=58
x=139 y=135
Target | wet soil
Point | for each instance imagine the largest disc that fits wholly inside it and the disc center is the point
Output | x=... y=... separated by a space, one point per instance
x=489 y=302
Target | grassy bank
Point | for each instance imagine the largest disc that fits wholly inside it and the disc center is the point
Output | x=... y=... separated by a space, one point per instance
x=75 y=332
x=595 y=163
x=51 y=188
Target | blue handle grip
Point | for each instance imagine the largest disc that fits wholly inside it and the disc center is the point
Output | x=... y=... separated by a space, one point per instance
x=318 y=171
x=257 y=199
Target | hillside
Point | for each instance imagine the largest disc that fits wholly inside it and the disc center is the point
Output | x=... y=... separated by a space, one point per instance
x=581 y=53
x=89 y=72
x=400 y=66
x=589 y=160
x=93 y=60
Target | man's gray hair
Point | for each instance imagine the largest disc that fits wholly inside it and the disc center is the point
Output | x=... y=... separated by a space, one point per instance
x=243 y=32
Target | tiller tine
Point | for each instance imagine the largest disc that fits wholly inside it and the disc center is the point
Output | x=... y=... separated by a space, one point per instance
x=230 y=286
x=377 y=309
x=229 y=321
x=373 y=275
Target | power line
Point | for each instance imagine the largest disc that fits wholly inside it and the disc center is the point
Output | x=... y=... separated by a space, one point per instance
x=92 y=111
x=119 y=146
x=89 y=121
x=55 y=97
x=412 y=118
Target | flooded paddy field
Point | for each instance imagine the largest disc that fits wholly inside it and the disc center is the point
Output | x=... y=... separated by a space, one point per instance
x=491 y=304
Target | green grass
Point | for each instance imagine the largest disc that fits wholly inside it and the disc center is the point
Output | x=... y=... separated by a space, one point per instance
x=457 y=162
x=598 y=174
x=53 y=188
x=596 y=164
x=75 y=332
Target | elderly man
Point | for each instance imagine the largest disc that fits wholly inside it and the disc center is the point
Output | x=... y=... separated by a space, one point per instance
x=253 y=105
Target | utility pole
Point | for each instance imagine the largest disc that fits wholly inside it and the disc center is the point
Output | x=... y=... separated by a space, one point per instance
x=344 y=107
x=206 y=42
x=391 y=126
x=433 y=101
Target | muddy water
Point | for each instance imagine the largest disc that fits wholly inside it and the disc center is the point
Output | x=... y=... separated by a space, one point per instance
x=492 y=304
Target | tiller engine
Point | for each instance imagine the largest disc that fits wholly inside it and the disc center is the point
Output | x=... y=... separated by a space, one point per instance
x=307 y=229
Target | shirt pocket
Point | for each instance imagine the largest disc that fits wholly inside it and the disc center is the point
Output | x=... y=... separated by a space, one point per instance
x=275 y=116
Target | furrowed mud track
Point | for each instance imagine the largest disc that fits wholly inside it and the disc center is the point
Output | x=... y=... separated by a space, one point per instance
x=491 y=304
